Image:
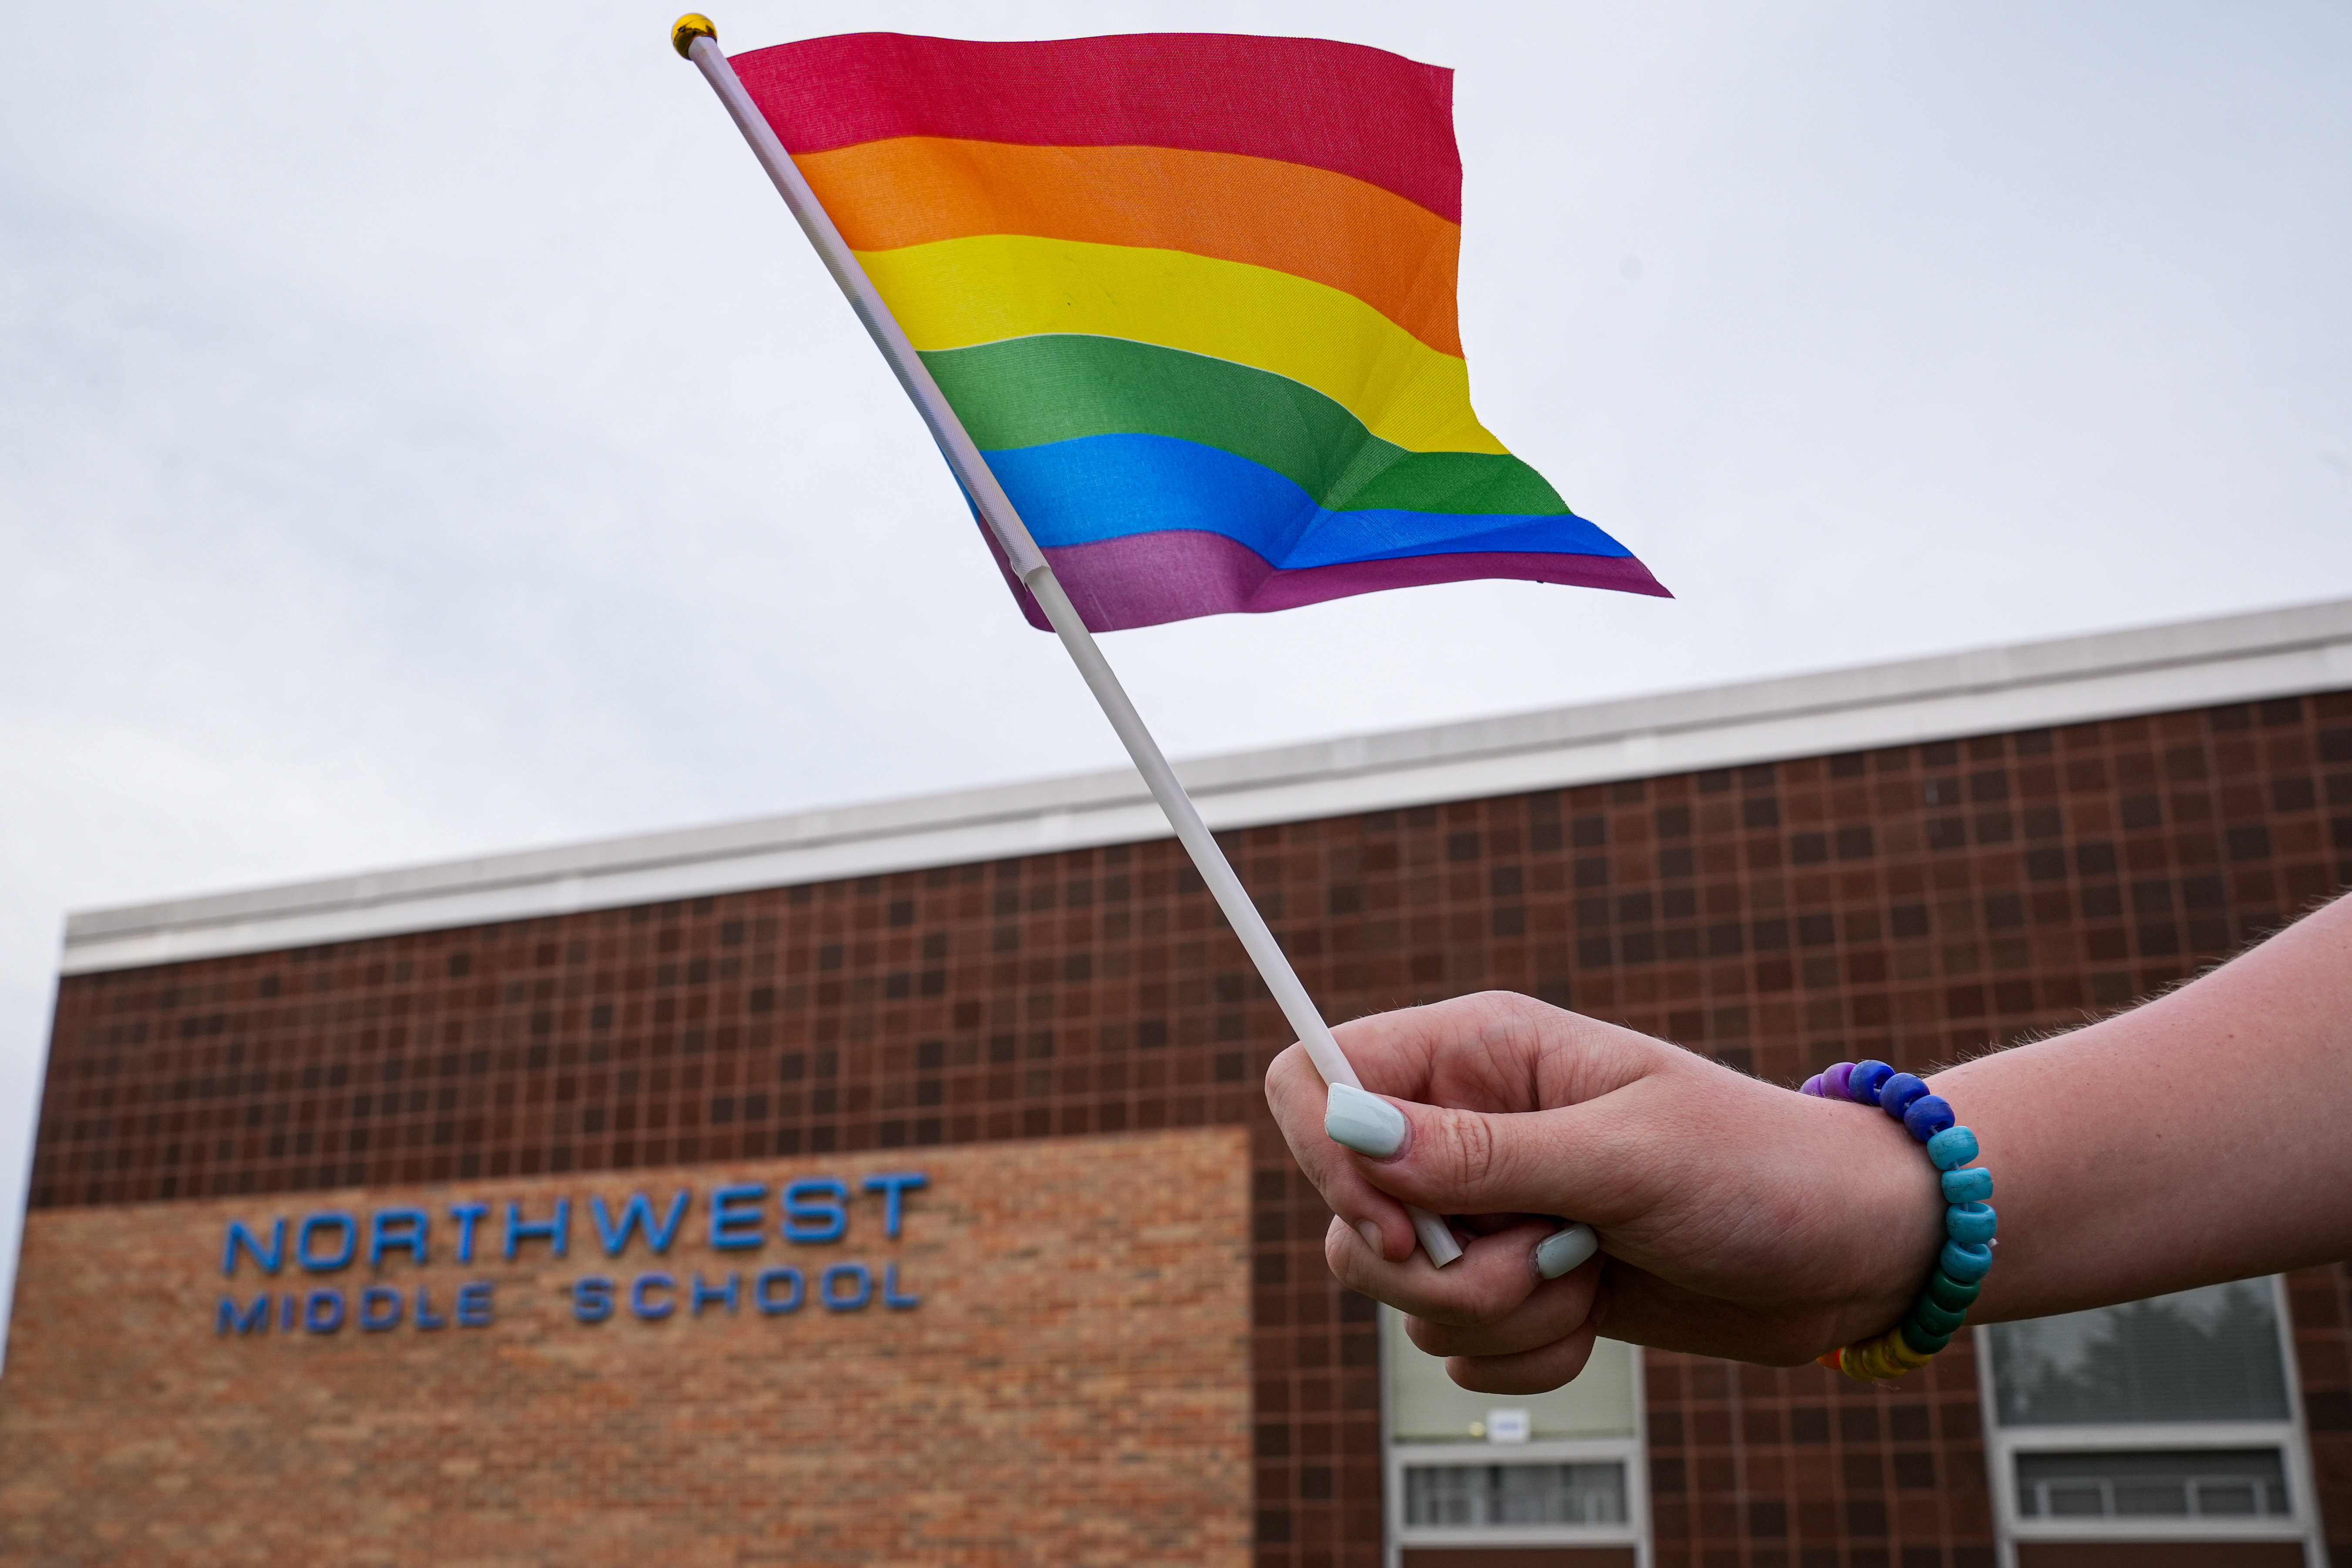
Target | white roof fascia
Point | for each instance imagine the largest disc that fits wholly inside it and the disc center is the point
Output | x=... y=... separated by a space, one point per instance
x=2235 y=658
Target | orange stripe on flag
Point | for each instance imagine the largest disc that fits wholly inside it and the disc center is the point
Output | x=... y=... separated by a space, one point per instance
x=1395 y=255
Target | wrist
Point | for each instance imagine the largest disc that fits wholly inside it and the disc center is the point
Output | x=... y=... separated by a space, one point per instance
x=1894 y=1222
x=1940 y=1306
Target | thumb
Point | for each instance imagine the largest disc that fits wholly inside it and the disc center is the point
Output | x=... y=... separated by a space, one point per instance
x=1553 y=1162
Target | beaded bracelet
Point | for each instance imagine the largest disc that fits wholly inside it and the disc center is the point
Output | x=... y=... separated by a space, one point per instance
x=1968 y=1222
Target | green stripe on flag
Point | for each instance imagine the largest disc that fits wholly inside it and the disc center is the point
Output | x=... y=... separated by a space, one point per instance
x=1027 y=392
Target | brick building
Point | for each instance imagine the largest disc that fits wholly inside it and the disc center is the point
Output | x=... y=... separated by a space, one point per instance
x=893 y=1183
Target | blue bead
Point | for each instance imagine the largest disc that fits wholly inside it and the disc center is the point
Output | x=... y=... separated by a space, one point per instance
x=1962 y=1262
x=1900 y=1091
x=1927 y=1115
x=1952 y=1146
x=1862 y=1085
x=1971 y=1223
x=1973 y=1186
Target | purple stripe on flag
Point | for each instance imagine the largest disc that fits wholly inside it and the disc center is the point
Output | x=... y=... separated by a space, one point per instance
x=1145 y=579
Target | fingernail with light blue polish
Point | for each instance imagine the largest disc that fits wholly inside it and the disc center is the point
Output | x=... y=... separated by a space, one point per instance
x=1364 y=1122
x=1563 y=1250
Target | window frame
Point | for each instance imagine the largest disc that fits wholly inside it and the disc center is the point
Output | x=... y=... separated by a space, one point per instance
x=2004 y=1443
x=1630 y=1450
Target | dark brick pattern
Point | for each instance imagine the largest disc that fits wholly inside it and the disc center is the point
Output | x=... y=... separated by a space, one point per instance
x=2320 y=1300
x=1913 y=903
x=1796 y=1469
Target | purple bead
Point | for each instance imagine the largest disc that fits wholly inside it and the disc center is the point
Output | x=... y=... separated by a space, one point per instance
x=1833 y=1081
x=1900 y=1091
x=1862 y=1084
x=1930 y=1115
x=1812 y=1086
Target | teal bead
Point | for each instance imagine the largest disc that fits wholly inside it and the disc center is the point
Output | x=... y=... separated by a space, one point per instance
x=1936 y=1320
x=1971 y=1223
x=1973 y=1186
x=1953 y=1295
x=1952 y=1146
x=1919 y=1338
x=1962 y=1262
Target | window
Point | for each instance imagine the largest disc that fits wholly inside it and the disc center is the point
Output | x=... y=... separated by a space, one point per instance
x=2169 y=1418
x=1478 y=1470
x=2178 y=1483
x=2201 y=1355
x=1514 y=1494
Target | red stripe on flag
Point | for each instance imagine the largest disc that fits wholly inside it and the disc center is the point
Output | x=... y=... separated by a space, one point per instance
x=1358 y=112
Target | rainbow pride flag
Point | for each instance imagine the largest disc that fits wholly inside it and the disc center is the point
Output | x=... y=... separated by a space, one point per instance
x=1193 y=296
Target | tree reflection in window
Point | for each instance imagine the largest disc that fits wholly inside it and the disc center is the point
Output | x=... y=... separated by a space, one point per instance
x=2210 y=1354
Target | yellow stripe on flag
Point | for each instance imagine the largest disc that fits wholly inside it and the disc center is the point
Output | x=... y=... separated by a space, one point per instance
x=955 y=293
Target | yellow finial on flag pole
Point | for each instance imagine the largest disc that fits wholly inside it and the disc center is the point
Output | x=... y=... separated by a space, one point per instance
x=686 y=28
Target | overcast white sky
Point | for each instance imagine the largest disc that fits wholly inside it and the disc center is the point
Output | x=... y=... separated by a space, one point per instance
x=423 y=432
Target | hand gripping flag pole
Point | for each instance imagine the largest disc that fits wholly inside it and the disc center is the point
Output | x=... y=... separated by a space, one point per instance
x=698 y=40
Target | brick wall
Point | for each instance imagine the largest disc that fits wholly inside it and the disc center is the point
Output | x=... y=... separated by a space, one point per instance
x=1794 y=1466
x=1072 y=1386
x=2321 y=1302
x=1912 y=903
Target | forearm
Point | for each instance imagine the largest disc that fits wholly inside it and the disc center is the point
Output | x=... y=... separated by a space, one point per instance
x=2194 y=1138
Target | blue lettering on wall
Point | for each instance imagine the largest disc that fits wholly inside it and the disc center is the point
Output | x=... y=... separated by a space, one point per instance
x=347 y=1242
x=395 y=1230
x=268 y=1262
x=322 y=1311
x=468 y=1217
x=861 y=1287
x=816 y=1211
x=591 y=1298
x=735 y=1217
x=892 y=1297
x=636 y=1215
x=254 y=1320
x=764 y=1291
x=892 y=1184
x=556 y=1232
x=640 y=1297
x=474 y=1304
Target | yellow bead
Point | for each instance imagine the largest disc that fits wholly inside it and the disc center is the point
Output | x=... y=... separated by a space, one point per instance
x=1883 y=1358
x=1860 y=1362
x=1899 y=1351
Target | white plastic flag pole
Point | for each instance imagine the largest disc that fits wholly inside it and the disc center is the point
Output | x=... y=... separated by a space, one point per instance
x=698 y=40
